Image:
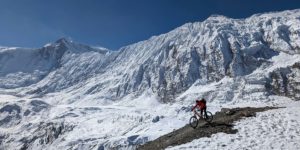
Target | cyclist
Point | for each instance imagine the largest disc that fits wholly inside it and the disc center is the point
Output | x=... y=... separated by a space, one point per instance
x=200 y=104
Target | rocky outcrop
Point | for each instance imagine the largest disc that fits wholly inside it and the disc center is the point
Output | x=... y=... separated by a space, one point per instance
x=45 y=134
x=222 y=122
x=205 y=52
x=285 y=82
x=167 y=64
x=10 y=115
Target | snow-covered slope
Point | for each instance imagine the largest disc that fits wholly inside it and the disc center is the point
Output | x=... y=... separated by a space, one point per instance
x=275 y=129
x=68 y=95
x=50 y=68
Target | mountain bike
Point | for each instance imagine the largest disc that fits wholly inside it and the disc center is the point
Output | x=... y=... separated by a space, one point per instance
x=194 y=120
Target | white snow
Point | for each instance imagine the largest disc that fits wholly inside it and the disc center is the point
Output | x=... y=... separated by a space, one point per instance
x=273 y=129
x=113 y=99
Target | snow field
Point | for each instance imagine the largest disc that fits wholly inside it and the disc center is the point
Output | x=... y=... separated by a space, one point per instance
x=276 y=129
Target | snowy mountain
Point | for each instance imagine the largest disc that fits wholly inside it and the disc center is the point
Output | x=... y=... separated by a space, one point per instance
x=67 y=95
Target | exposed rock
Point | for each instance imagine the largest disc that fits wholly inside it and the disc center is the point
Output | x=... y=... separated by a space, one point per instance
x=45 y=134
x=155 y=119
x=248 y=113
x=10 y=115
x=38 y=105
x=168 y=64
x=285 y=82
x=221 y=123
x=227 y=111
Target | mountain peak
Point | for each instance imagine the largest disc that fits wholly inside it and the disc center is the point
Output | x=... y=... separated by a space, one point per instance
x=64 y=40
x=60 y=42
x=67 y=44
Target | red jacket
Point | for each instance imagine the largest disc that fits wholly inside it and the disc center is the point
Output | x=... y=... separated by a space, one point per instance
x=200 y=104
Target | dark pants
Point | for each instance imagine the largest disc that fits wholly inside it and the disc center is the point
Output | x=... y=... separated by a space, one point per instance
x=204 y=110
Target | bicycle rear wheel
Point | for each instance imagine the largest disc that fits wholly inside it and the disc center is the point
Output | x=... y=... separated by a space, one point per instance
x=209 y=117
x=193 y=122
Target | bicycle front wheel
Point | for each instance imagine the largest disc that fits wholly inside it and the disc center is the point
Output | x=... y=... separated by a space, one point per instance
x=193 y=122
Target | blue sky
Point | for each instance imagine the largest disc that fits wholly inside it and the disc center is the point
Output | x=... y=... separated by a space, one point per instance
x=114 y=23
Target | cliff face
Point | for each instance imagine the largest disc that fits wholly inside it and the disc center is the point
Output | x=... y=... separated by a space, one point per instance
x=285 y=82
x=206 y=52
x=168 y=64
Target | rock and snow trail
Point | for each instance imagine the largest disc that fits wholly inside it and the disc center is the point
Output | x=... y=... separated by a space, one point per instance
x=273 y=129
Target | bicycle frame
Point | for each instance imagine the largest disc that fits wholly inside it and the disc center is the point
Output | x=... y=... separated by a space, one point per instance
x=198 y=115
